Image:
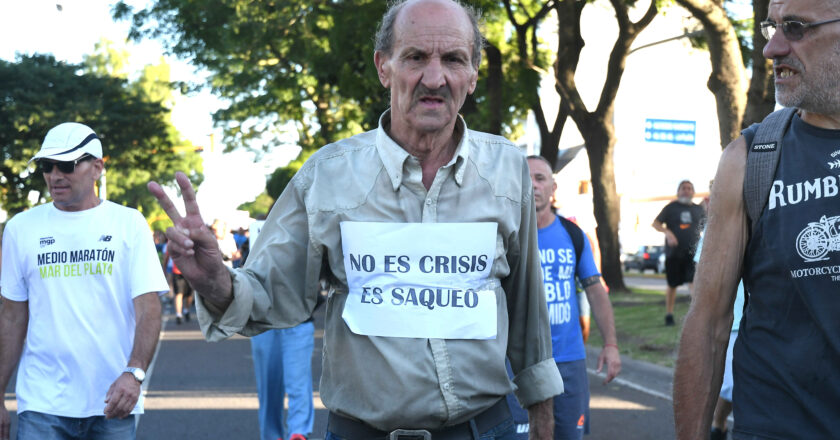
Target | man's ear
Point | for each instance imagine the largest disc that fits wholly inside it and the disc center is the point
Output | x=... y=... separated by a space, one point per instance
x=383 y=68
x=99 y=166
x=473 y=81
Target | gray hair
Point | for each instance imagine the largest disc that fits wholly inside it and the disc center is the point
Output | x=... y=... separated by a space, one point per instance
x=384 y=40
x=544 y=160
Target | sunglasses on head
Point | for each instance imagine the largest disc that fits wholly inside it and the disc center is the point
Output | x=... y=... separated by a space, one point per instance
x=65 y=167
x=793 y=30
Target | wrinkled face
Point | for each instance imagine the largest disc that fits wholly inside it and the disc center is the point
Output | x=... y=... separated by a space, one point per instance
x=429 y=71
x=74 y=191
x=806 y=70
x=543 y=183
x=685 y=191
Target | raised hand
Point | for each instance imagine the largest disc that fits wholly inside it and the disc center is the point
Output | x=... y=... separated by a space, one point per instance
x=193 y=247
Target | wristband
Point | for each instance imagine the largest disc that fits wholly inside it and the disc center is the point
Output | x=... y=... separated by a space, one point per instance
x=611 y=345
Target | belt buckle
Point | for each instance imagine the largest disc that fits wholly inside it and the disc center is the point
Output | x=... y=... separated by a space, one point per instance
x=410 y=434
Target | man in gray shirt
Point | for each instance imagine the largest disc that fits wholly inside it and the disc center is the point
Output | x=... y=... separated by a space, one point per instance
x=430 y=248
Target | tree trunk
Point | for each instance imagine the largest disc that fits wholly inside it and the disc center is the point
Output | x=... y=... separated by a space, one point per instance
x=727 y=79
x=494 y=88
x=597 y=127
x=600 y=139
x=761 y=97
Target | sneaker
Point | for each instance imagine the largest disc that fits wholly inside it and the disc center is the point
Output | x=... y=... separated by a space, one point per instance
x=178 y=320
x=669 y=319
x=297 y=437
x=187 y=317
x=717 y=434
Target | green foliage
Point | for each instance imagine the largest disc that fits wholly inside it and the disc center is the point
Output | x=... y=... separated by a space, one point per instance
x=300 y=61
x=261 y=205
x=37 y=92
x=639 y=318
x=276 y=62
x=743 y=30
x=282 y=176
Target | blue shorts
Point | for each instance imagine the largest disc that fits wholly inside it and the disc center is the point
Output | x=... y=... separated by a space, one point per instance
x=571 y=409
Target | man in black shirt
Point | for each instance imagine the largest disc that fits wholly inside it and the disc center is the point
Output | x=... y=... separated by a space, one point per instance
x=681 y=222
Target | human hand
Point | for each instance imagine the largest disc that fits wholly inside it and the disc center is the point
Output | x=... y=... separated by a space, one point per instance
x=671 y=239
x=193 y=246
x=121 y=397
x=611 y=357
x=5 y=422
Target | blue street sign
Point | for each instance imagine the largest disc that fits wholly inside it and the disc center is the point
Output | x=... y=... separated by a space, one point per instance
x=670 y=131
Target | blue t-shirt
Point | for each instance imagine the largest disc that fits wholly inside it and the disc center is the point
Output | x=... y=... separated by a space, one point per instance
x=557 y=258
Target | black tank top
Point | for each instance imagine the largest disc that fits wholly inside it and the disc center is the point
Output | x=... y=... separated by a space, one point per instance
x=787 y=356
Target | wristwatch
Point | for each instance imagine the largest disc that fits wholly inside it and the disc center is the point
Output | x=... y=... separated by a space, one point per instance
x=138 y=373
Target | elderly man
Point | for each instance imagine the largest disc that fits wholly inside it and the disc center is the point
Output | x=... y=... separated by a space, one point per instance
x=80 y=285
x=429 y=244
x=787 y=353
x=681 y=221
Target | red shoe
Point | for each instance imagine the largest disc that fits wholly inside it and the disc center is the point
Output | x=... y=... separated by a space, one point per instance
x=297 y=437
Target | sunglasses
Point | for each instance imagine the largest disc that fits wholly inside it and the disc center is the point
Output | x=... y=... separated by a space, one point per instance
x=793 y=30
x=65 y=167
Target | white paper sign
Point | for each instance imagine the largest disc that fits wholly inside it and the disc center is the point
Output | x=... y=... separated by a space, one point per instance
x=420 y=280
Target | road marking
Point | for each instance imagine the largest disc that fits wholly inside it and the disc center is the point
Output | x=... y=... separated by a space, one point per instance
x=607 y=402
x=633 y=385
x=201 y=400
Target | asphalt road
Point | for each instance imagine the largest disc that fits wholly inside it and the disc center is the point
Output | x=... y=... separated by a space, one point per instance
x=201 y=390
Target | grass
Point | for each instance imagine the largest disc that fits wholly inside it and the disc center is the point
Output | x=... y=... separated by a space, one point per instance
x=640 y=326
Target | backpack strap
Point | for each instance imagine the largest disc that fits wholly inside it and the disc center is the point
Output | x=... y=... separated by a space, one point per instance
x=576 y=234
x=762 y=161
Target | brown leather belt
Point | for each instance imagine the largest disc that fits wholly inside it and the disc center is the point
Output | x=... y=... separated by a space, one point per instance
x=355 y=430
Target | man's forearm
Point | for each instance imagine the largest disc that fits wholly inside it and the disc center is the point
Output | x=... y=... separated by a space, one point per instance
x=147 y=330
x=602 y=311
x=659 y=226
x=698 y=373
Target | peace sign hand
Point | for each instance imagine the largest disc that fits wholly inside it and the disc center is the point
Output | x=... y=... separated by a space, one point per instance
x=193 y=247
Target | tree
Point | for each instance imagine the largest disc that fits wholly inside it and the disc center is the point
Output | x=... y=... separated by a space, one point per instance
x=761 y=96
x=737 y=107
x=260 y=206
x=276 y=62
x=526 y=18
x=596 y=126
x=305 y=62
x=726 y=81
x=37 y=92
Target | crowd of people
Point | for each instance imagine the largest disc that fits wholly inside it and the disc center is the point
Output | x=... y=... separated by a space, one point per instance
x=449 y=272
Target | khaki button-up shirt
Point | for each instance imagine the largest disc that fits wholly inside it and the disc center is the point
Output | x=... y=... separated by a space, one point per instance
x=388 y=382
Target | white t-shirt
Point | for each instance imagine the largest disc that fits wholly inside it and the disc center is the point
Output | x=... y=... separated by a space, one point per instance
x=80 y=272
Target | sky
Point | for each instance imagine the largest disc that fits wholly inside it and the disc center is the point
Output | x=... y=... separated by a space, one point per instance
x=69 y=29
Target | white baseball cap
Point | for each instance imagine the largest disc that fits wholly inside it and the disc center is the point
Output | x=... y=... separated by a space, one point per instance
x=69 y=141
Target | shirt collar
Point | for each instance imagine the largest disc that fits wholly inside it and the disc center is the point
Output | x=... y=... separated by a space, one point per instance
x=393 y=156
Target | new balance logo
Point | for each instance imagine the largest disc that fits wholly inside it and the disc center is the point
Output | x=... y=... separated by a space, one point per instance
x=771 y=146
x=46 y=241
x=105 y=238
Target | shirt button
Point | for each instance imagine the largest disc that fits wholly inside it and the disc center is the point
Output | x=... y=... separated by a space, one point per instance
x=446 y=386
x=428 y=201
